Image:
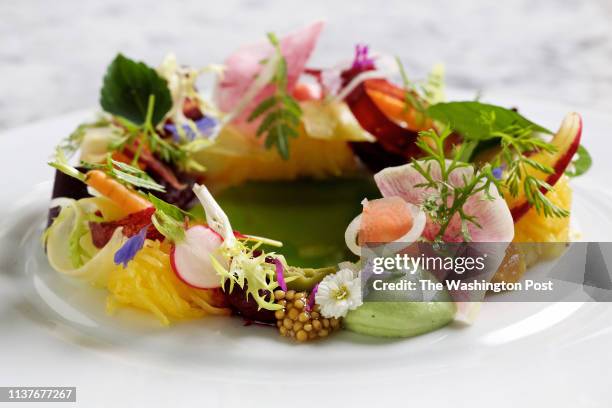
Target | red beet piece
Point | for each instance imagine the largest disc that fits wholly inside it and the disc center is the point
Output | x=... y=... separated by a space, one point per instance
x=246 y=306
x=101 y=232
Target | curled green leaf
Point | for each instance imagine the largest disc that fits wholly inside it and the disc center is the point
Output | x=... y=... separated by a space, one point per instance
x=581 y=164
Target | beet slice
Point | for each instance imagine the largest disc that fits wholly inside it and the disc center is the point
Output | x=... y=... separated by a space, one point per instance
x=247 y=307
x=395 y=144
x=70 y=187
x=66 y=186
x=392 y=137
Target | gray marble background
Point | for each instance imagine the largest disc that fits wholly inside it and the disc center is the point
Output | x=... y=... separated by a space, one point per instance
x=53 y=53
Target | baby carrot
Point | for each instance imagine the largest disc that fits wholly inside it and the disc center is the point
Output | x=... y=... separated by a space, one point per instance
x=125 y=198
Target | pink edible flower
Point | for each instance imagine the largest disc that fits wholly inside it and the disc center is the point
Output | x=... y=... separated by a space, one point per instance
x=280 y=278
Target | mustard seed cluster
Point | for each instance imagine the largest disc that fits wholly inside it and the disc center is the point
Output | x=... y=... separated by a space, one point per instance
x=295 y=321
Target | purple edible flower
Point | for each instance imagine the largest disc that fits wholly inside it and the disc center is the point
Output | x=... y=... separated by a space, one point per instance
x=279 y=274
x=362 y=61
x=131 y=247
x=311 y=298
x=498 y=172
x=205 y=126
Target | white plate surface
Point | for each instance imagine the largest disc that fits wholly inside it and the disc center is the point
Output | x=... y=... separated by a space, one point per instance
x=55 y=332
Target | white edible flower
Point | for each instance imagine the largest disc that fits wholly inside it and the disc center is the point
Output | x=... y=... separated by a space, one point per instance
x=338 y=293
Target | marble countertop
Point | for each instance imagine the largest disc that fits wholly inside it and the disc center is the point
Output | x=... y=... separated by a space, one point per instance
x=53 y=54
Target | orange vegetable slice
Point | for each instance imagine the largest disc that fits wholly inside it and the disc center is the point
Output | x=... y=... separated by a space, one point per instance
x=384 y=220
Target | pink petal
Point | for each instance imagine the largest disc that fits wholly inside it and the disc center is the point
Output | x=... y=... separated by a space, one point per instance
x=311 y=298
x=280 y=278
x=243 y=66
x=493 y=216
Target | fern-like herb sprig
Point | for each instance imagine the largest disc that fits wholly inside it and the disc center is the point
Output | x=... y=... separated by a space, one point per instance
x=516 y=143
x=448 y=198
x=165 y=149
x=280 y=113
x=421 y=94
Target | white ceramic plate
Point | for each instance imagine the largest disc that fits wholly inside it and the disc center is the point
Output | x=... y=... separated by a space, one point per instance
x=54 y=332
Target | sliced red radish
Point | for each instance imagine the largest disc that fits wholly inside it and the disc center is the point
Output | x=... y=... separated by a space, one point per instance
x=385 y=221
x=492 y=215
x=190 y=259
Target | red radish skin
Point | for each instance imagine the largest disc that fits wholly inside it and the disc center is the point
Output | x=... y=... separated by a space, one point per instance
x=190 y=259
x=173 y=266
x=559 y=167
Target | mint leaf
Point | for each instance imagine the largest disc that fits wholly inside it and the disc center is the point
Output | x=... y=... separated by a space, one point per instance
x=469 y=118
x=581 y=164
x=127 y=87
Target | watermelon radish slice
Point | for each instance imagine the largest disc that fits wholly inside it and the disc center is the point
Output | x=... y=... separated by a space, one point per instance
x=492 y=215
x=190 y=259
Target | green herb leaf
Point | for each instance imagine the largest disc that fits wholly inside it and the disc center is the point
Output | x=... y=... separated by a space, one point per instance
x=281 y=113
x=126 y=174
x=517 y=136
x=419 y=95
x=467 y=119
x=168 y=219
x=411 y=96
x=134 y=176
x=127 y=87
x=168 y=209
x=581 y=164
x=265 y=105
x=448 y=198
x=168 y=226
x=61 y=163
x=247 y=267
x=267 y=122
